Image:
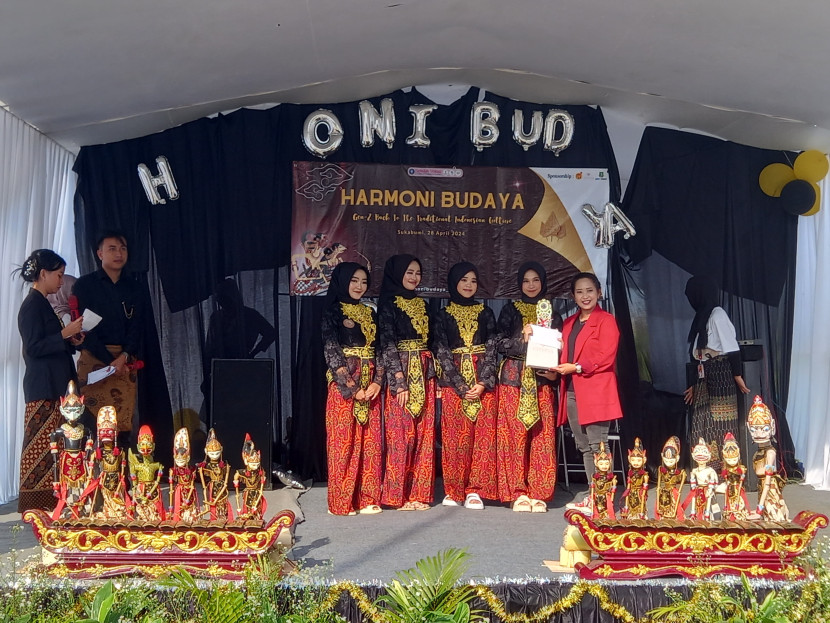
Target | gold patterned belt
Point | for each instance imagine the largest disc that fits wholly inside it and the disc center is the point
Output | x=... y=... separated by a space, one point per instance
x=364 y=352
x=476 y=349
x=411 y=345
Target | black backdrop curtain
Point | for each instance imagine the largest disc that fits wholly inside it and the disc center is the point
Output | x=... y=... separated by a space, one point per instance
x=233 y=215
x=696 y=202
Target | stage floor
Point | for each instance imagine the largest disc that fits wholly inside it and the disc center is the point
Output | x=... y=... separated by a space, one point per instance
x=370 y=548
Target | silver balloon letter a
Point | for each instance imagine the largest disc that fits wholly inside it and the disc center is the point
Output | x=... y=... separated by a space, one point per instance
x=607 y=223
x=151 y=183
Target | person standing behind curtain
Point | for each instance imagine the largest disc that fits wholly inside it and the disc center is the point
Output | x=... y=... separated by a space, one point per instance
x=526 y=439
x=47 y=352
x=588 y=396
x=409 y=412
x=353 y=427
x=117 y=340
x=466 y=346
x=714 y=348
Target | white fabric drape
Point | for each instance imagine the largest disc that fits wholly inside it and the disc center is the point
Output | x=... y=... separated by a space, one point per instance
x=809 y=397
x=36 y=190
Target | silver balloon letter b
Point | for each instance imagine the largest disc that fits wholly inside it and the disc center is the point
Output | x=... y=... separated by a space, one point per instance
x=373 y=122
x=483 y=129
x=151 y=183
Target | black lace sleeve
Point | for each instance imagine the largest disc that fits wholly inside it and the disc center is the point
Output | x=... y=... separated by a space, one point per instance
x=511 y=341
x=487 y=374
x=450 y=376
x=333 y=354
x=380 y=368
x=387 y=343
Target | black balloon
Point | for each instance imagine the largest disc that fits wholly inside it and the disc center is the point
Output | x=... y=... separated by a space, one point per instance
x=798 y=196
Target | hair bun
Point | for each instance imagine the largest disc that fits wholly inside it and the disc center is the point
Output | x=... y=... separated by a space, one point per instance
x=29 y=271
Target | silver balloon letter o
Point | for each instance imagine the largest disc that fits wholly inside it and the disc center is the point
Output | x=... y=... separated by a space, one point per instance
x=312 y=140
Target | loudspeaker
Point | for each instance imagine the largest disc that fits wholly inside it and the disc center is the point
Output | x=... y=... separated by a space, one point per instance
x=242 y=401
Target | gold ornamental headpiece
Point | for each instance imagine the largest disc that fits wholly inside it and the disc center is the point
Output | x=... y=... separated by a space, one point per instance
x=637 y=450
x=671 y=449
x=71 y=399
x=759 y=413
x=107 y=418
x=730 y=449
x=181 y=443
x=212 y=444
x=602 y=455
x=249 y=451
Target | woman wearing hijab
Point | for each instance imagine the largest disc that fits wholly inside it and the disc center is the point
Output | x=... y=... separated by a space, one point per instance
x=527 y=422
x=713 y=346
x=353 y=427
x=47 y=352
x=409 y=412
x=466 y=343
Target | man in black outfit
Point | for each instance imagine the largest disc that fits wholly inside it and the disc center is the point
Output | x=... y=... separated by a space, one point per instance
x=117 y=340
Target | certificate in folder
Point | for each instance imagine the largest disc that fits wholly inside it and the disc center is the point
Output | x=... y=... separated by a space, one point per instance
x=543 y=348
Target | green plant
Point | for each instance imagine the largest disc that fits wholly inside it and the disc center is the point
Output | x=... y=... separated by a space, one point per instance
x=223 y=604
x=712 y=602
x=428 y=592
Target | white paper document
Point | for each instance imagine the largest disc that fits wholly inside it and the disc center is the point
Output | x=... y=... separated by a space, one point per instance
x=91 y=320
x=543 y=348
x=100 y=375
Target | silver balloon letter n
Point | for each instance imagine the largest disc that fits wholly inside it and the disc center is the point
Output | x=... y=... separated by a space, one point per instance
x=151 y=183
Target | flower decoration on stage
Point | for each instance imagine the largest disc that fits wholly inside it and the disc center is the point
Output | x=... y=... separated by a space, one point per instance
x=318 y=146
x=151 y=183
x=607 y=223
x=373 y=122
x=797 y=185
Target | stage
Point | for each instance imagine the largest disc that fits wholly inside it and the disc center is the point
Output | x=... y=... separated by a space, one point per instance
x=513 y=555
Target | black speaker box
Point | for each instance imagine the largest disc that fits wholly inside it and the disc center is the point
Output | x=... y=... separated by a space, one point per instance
x=242 y=401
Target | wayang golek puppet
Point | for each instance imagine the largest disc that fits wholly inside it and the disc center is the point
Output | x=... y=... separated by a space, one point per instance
x=670 y=481
x=733 y=475
x=213 y=474
x=251 y=479
x=145 y=475
x=71 y=447
x=108 y=487
x=184 y=501
x=771 y=504
x=635 y=495
x=702 y=481
x=603 y=486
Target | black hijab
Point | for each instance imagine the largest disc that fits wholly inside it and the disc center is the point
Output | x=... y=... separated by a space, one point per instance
x=454 y=276
x=543 y=276
x=704 y=295
x=341 y=276
x=393 y=273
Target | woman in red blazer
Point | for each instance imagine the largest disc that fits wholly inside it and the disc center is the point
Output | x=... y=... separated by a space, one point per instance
x=588 y=398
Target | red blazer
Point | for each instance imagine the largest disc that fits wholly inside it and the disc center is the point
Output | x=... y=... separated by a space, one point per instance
x=596 y=351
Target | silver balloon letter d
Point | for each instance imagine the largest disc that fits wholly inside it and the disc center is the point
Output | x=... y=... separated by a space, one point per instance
x=151 y=183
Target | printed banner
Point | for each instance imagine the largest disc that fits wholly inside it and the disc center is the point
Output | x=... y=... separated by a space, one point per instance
x=495 y=217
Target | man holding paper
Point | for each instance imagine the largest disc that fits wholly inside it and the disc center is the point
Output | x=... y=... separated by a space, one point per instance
x=116 y=340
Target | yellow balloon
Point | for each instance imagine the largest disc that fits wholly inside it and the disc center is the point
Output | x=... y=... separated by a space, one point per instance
x=811 y=165
x=774 y=177
x=817 y=205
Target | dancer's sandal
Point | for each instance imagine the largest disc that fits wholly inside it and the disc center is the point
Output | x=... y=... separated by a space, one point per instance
x=370 y=509
x=473 y=502
x=448 y=501
x=408 y=506
x=538 y=506
x=421 y=506
x=522 y=504
x=349 y=514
